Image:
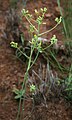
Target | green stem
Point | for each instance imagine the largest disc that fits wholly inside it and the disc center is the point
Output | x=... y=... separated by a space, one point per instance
x=23 y=53
x=26 y=77
x=47 y=47
x=28 y=68
x=19 y=110
x=24 y=84
x=32 y=49
x=56 y=61
x=35 y=59
x=49 y=30
x=31 y=24
x=64 y=25
x=38 y=28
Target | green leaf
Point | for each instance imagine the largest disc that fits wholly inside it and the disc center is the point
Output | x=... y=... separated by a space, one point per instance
x=19 y=93
x=22 y=39
x=16 y=91
x=17 y=96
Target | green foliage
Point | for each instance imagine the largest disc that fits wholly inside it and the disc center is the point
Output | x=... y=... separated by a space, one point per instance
x=63 y=20
x=68 y=17
x=18 y=93
x=69 y=85
x=66 y=14
x=35 y=45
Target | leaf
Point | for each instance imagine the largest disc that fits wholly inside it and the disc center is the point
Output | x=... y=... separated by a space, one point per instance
x=17 y=96
x=15 y=90
x=68 y=89
x=22 y=39
x=19 y=93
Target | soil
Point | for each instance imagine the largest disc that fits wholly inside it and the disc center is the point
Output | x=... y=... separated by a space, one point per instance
x=12 y=70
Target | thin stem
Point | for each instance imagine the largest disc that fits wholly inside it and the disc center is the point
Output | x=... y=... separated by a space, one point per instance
x=31 y=24
x=47 y=47
x=23 y=53
x=32 y=49
x=56 y=61
x=26 y=77
x=34 y=60
x=64 y=25
x=49 y=30
x=24 y=86
x=38 y=28
x=19 y=109
x=33 y=20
